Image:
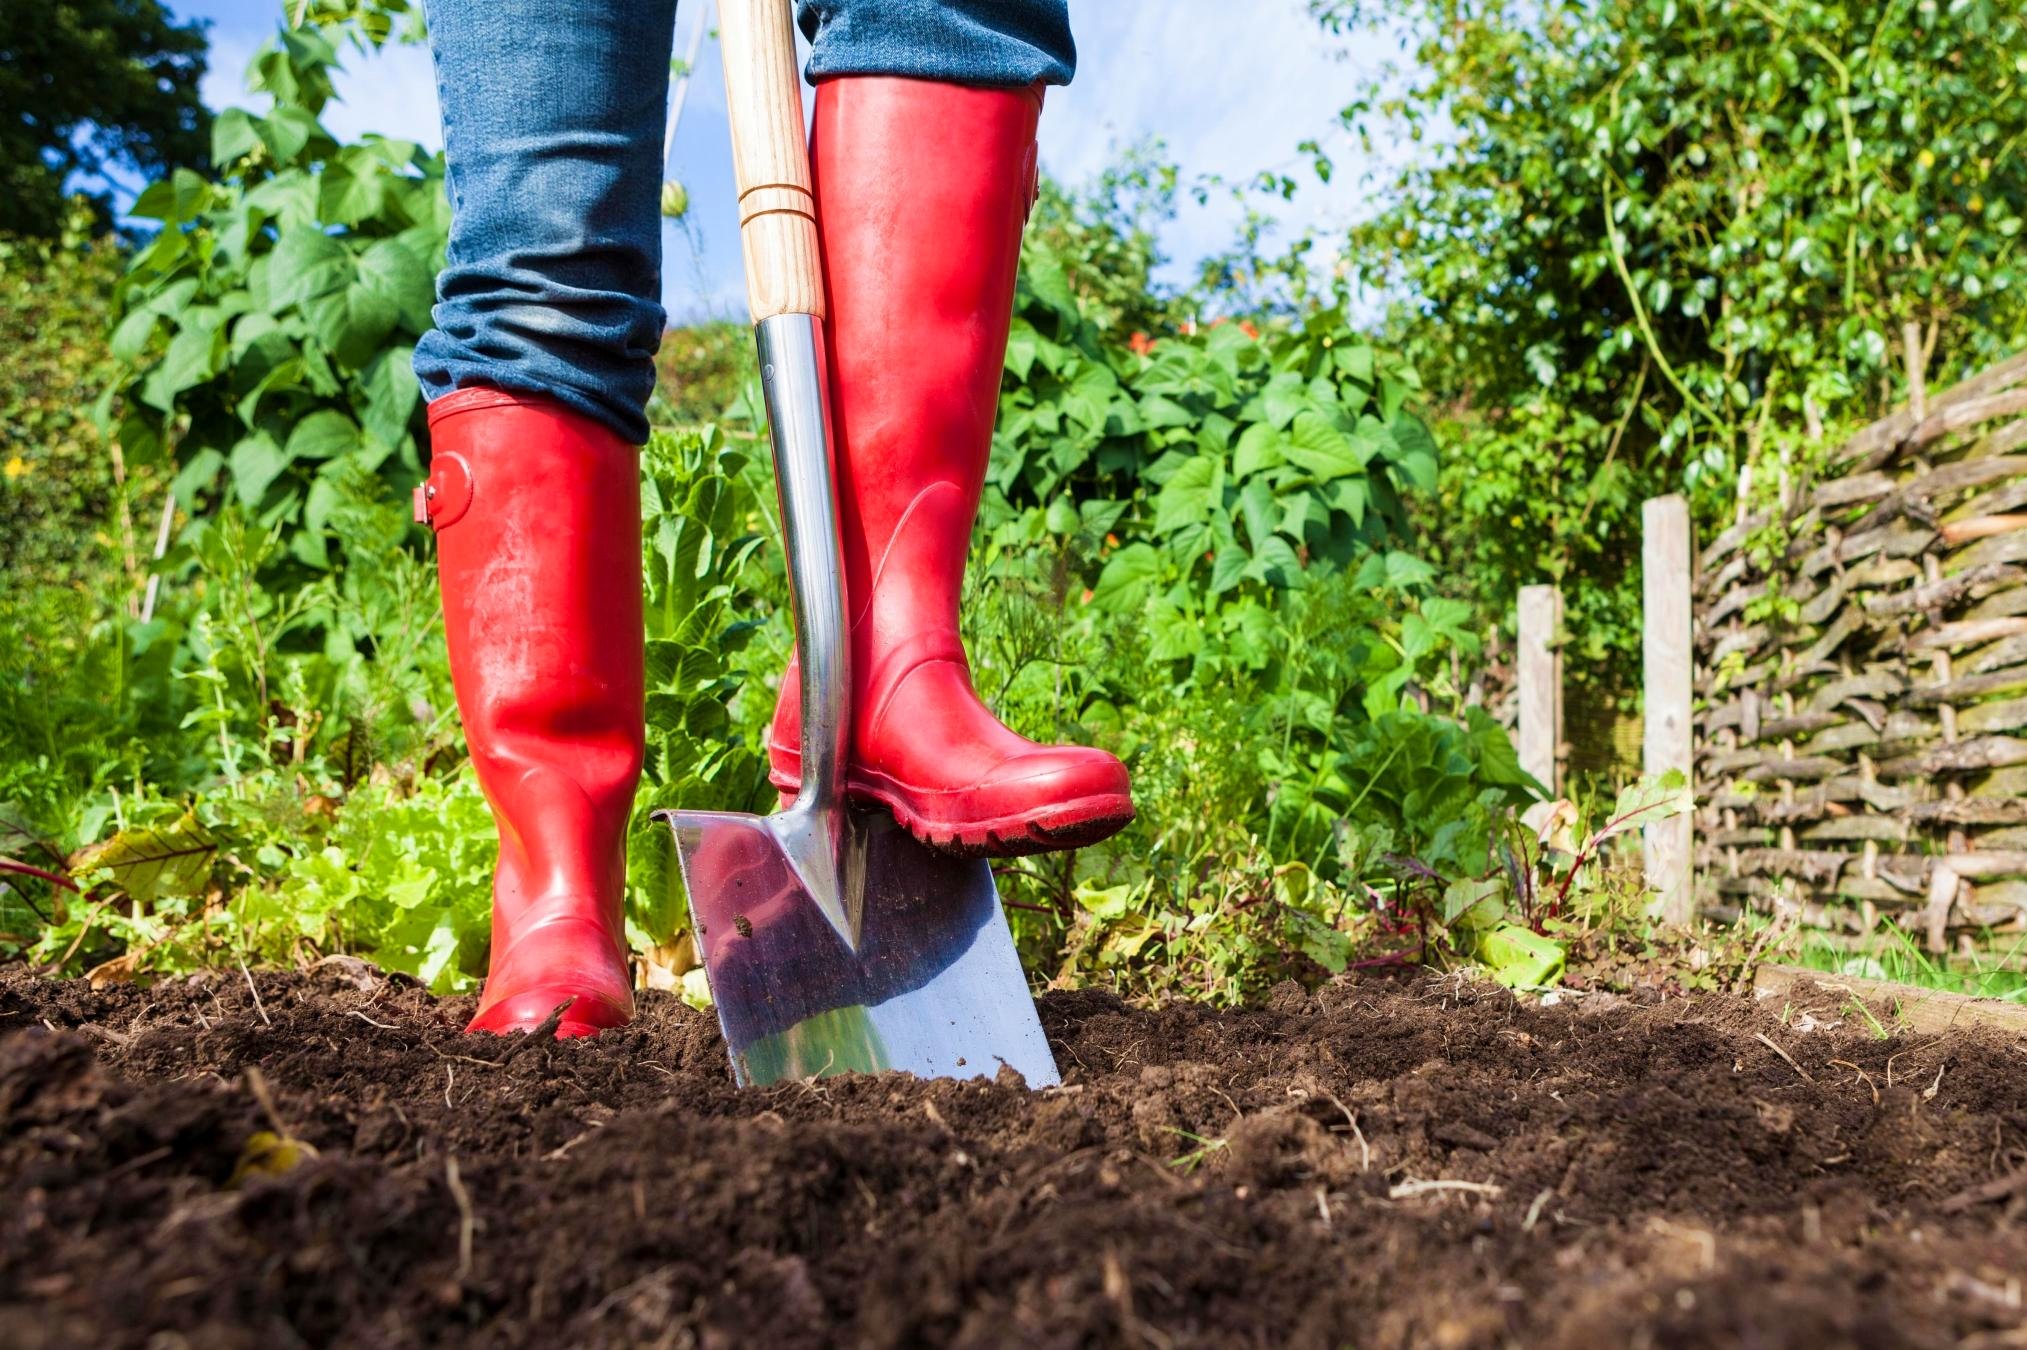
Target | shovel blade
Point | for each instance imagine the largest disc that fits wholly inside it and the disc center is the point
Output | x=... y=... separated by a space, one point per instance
x=932 y=985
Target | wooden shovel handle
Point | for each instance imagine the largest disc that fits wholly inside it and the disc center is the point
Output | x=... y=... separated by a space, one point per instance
x=770 y=159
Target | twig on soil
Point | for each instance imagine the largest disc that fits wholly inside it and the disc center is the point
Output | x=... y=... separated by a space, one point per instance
x=544 y=1032
x=1847 y=1064
x=1765 y=1040
x=256 y=1083
x=1917 y=1050
x=1987 y=1192
x=1534 y=1210
x=449 y=1081
x=466 y=1224
x=255 y=992
x=1364 y=1149
x=556 y=1154
x=384 y=1026
x=135 y=1164
x=1408 y=1189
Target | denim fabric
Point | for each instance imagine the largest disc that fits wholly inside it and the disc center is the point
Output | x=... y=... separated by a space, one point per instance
x=553 y=112
x=999 y=43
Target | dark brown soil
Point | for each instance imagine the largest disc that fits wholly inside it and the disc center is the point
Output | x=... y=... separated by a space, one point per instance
x=1418 y=1163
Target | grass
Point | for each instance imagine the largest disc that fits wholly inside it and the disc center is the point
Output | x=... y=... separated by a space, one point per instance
x=1995 y=971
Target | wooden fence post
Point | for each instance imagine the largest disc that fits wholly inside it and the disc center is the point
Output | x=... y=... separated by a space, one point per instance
x=1665 y=592
x=1540 y=662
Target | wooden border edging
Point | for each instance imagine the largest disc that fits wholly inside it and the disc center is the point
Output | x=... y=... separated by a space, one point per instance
x=1928 y=1011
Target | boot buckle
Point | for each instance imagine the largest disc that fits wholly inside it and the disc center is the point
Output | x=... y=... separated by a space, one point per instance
x=446 y=495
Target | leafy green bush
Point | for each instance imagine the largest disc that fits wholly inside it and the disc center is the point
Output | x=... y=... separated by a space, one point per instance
x=60 y=489
x=1645 y=244
x=269 y=326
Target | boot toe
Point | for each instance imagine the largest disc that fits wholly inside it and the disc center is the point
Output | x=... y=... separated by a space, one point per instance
x=1044 y=800
x=564 y=960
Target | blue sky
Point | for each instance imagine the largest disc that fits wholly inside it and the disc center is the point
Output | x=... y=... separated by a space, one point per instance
x=1230 y=85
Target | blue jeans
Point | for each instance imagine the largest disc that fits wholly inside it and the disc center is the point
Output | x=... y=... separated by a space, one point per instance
x=553 y=113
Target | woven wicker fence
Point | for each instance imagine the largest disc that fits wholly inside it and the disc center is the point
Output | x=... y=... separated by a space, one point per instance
x=1861 y=679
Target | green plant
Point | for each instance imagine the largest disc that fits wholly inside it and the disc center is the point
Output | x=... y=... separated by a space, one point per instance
x=1646 y=244
x=268 y=328
x=704 y=527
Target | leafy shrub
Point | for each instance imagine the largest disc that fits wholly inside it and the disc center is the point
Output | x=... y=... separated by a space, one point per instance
x=58 y=484
x=270 y=325
x=1646 y=243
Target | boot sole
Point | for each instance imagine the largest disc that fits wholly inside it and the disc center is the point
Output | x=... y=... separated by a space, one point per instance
x=1055 y=829
x=587 y=1015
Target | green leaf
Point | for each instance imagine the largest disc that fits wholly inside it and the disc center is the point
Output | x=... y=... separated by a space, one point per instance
x=1415 y=452
x=391 y=270
x=1258 y=508
x=1647 y=802
x=1519 y=957
x=1228 y=569
x=196 y=476
x=256 y=462
x=324 y=434
x=191 y=359
x=306 y=263
x=232 y=136
x=1128 y=577
x=352 y=190
x=1355 y=360
x=150 y=862
x=352 y=323
x=1258 y=450
x=131 y=337
x=1473 y=904
x=1282 y=399
x=1321 y=449
x=1022 y=343
x=1186 y=499
x=286 y=131
x=392 y=394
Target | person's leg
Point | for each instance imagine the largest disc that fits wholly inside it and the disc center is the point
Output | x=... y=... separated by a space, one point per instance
x=989 y=44
x=538 y=373
x=924 y=159
x=552 y=119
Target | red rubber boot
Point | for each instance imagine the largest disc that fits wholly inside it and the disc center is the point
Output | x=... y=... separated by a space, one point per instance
x=922 y=191
x=537 y=517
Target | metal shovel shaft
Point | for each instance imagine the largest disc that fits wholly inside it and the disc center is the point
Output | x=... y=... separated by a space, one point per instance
x=812 y=831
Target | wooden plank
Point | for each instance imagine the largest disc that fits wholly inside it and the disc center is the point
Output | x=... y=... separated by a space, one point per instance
x=1540 y=676
x=1668 y=727
x=1929 y=1012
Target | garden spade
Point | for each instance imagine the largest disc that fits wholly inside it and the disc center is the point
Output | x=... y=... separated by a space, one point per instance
x=831 y=939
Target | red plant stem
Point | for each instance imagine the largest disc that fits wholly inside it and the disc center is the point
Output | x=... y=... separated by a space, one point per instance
x=53 y=878
x=1390 y=959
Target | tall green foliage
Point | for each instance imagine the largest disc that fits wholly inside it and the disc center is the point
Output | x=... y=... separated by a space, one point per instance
x=269 y=326
x=1644 y=239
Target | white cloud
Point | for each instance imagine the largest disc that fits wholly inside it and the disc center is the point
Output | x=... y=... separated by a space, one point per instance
x=1231 y=89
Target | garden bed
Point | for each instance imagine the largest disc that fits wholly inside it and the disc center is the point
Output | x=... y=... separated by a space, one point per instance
x=1407 y=1161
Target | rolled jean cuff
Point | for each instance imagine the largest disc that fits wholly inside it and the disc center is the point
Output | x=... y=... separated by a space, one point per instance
x=998 y=44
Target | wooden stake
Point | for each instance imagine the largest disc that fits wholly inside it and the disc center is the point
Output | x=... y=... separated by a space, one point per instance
x=1665 y=587
x=1540 y=662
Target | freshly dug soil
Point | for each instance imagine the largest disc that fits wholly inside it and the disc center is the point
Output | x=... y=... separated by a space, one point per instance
x=1409 y=1162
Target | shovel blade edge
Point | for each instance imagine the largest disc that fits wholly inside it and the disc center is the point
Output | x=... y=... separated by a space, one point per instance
x=934 y=986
